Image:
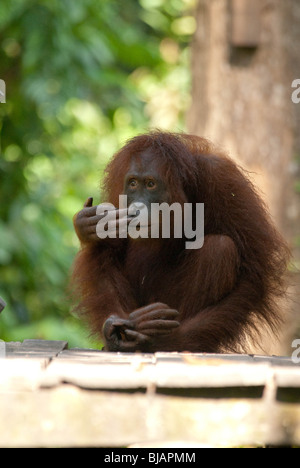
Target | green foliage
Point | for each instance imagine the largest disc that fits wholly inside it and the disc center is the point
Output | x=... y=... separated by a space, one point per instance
x=81 y=77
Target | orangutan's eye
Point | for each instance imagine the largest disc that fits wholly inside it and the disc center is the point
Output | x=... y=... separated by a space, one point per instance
x=133 y=183
x=151 y=184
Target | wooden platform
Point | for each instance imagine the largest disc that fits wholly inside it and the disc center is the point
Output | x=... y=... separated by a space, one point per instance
x=52 y=396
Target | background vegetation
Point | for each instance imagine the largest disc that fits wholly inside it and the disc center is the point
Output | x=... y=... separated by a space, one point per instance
x=82 y=77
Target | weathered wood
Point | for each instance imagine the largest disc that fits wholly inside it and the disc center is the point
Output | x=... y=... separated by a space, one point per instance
x=67 y=416
x=34 y=348
x=21 y=374
x=201 y=399
x=140 y=374
x=39 y=346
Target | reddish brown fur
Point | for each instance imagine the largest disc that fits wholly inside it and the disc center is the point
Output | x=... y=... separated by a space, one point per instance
x=221 y=291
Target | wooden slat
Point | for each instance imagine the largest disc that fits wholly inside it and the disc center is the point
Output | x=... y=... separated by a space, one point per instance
x=68 y=417
x=46 y=346
x=45 y=398
x=35 y=348
x=139 y=374
x=96 y=356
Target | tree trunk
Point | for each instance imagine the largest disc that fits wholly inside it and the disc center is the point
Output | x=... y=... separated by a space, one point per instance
x=245 y=58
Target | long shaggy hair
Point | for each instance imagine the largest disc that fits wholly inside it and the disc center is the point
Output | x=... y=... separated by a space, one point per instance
x=196 y=172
